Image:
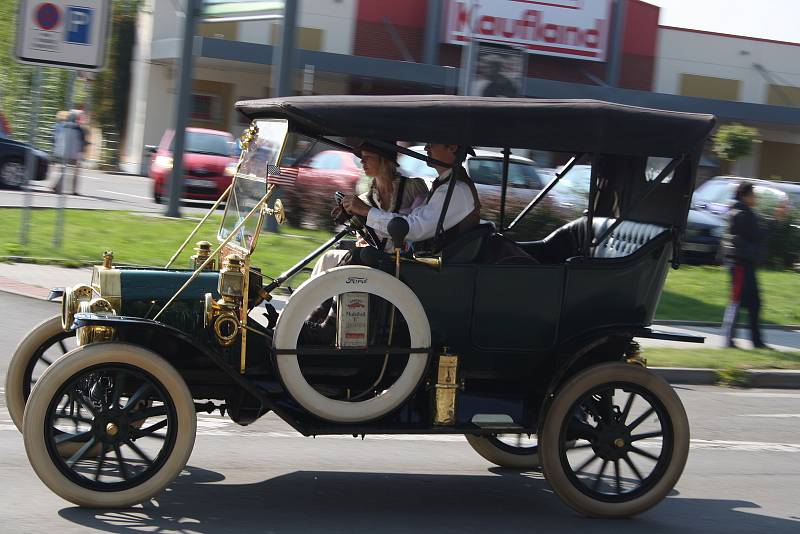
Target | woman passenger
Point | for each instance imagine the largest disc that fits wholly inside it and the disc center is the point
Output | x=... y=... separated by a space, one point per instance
x=388 y=191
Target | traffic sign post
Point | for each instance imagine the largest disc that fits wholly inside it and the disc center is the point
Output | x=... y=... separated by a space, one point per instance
x=70 y=34
x=67 y=34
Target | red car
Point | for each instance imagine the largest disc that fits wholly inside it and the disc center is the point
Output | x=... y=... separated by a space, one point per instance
x=209 y=163
x=318 y=178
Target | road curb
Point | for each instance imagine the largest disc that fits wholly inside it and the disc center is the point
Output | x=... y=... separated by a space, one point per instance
x=711 y=324
x=749 y=378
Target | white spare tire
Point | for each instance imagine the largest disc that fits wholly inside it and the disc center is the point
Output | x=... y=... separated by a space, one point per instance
x=330 y=284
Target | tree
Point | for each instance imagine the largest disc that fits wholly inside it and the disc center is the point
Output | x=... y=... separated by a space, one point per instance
x=734 y=141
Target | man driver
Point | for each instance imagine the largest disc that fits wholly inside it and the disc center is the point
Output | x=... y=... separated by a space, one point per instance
x=462 y=213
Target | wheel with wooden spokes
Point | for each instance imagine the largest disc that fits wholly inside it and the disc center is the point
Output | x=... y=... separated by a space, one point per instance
x=136 y=425
x=615 y=440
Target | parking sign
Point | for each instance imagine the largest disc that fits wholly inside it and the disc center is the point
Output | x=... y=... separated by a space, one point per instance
x=69 y=34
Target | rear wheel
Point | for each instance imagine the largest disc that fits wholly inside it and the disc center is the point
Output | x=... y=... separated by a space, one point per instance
x=136 y=425
x=512 y=451
x=615 y=440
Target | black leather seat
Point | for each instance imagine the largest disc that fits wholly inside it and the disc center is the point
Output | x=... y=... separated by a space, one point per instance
x=467 y=247
x=567 y=241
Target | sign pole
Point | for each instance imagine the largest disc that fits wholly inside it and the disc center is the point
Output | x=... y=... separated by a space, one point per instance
x=183 y=96
x=30 y=159
x=58 y=231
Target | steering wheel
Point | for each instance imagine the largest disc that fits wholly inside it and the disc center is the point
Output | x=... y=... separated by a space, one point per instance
x=357 y=224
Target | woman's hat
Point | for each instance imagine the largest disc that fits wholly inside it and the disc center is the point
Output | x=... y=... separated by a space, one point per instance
x=383 y=152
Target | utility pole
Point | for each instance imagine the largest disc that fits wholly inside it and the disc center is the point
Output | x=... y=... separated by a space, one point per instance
x=284 y=53
x=183 y=96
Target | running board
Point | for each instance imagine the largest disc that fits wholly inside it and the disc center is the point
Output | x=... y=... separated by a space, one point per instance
x=649 y=333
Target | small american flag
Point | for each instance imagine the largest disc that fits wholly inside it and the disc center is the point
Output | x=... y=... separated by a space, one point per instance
x=281 y=175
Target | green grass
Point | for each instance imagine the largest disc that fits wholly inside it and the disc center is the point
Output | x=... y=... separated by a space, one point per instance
x=701 y=293
x=138 y=239
x=723 y=359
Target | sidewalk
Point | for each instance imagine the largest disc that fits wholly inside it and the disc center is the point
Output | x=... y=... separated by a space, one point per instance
x=36 y=280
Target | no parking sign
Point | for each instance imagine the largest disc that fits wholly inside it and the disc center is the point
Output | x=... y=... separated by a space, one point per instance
x=70 y=34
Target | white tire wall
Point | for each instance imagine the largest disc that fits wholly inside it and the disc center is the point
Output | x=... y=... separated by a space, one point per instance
x=330 y=284
x=15 y=397
x=73 y=363
x=501 y=458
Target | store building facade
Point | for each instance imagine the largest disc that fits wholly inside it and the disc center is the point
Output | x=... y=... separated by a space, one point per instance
x=614 y=51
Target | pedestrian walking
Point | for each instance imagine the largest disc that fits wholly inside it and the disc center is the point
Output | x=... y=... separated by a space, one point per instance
x=69 y=144
x=741 y=247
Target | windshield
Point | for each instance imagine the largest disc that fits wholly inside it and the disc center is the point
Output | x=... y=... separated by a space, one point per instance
x=207 y=143
x=249 y=184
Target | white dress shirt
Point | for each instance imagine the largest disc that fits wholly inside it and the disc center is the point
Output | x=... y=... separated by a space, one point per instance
x=422 y=220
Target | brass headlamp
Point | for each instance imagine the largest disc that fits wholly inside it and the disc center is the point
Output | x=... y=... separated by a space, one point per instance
x=95 y=333
x=223 y=315
x=231 y=279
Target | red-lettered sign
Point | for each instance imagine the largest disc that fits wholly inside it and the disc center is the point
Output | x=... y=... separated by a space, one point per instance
x=575 y=29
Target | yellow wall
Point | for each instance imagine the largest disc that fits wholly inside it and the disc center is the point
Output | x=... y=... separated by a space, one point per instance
x=307 y=38
x=709 y=87
x=224 y=92
x=780 y=160
x=782 y=95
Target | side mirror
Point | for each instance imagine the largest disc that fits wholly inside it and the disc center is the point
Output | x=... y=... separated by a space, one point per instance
x=398 y=230
x=150 y=149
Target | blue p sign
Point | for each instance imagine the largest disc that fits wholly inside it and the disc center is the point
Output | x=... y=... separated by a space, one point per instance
x=78 y=25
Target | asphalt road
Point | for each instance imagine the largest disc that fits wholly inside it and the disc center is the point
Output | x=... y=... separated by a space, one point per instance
x=98 y=190
x=743 y=476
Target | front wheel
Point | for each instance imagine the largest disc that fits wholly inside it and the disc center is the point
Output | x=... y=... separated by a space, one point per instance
x=40 y=347
x=615 y=441
x=136 y=425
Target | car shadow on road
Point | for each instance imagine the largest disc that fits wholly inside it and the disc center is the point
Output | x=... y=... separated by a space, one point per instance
x=334 y=501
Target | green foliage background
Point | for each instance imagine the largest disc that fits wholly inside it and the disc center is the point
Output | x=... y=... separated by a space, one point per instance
x=106 y=97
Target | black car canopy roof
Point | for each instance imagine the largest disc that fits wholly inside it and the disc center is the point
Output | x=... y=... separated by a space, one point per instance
x=557 y=125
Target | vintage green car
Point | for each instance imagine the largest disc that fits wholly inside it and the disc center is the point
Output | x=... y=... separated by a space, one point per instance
x=532 y=356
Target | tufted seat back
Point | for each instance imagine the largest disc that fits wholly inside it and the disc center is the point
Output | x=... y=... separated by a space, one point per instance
x=626 y=238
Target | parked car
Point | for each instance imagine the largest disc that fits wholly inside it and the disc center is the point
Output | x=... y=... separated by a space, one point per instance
x=711 y=202
x=319 y=177
x=209 y=162
x=486 y=170
x=12 y=163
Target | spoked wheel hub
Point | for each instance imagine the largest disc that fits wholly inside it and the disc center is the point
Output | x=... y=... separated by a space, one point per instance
x=613 y=442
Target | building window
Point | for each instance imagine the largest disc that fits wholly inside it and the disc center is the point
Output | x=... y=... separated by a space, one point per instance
x=709 y=87
x=206 y=107
x=783 y=95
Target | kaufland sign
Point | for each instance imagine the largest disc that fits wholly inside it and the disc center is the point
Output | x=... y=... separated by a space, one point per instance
x=575 y=29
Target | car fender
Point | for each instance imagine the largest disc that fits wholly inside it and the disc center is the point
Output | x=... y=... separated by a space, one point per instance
x=581 y=353
x=181 y=350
